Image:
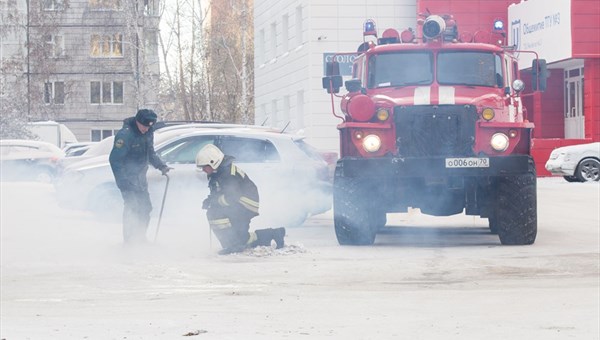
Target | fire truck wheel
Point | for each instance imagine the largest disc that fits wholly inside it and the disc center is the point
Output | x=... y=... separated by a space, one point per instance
x=350 y=213
x=516 y=214
x=493 y=224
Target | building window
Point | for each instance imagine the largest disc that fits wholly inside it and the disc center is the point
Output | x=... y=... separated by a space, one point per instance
x=52 y=5
x=273 y=40
x=299 y=25
x=151 y=7
x=55 y=44
x=106 y=92
x=284 y=32
x=274 y=117
x=261 y=46
x=300 y=109
x=98 y=135
x=151 y=39
x=54 y=92
x=286 y=110
x=106 y=46
x=105 y=4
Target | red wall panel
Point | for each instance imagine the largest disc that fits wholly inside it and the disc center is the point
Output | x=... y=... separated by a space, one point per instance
x=591 y=98
x=552 y=106
x=585 y=19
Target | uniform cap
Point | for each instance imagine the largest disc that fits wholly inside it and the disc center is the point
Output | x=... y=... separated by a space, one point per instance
x=146 y=117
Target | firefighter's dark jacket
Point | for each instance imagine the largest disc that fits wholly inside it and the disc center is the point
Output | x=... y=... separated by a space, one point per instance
x=131 y=153
x=231 y=187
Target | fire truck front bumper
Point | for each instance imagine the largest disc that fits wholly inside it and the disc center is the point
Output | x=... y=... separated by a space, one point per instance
x=434 y=166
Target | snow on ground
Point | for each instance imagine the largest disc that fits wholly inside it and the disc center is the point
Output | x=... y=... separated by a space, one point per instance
x=66 y=275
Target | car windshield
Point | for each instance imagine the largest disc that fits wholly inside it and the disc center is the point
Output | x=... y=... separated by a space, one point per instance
x=469 y=68
x=400 y=69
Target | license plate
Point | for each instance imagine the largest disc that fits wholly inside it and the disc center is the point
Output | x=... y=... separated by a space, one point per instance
x=468 y=162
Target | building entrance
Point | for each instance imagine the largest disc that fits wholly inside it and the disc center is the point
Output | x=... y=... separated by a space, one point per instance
x=574 y=115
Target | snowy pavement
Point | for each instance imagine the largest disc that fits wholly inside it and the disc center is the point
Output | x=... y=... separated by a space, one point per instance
x=66 y=275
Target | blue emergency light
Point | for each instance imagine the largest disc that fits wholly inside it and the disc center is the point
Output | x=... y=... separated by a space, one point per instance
x=369 y=28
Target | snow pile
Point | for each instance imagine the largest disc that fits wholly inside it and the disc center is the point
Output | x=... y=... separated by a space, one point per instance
x=290 y=249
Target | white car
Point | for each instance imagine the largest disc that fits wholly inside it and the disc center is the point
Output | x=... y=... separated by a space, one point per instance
x=28 y=160
x=576 y=163
x=291 y=176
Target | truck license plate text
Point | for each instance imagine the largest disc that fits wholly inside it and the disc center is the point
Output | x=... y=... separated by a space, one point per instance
x=467 y=162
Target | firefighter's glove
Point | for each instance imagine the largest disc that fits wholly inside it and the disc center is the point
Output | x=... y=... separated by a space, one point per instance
x=206 y=203
x=165 y=170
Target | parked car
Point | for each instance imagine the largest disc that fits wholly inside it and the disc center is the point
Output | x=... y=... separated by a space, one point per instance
x=77 y=149
x=291 y=176
x=28 y=160
x=576 y=163
x=104 y=147
x=92 y=150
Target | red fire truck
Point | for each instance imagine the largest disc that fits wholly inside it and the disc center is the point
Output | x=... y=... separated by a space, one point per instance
x=434 y=122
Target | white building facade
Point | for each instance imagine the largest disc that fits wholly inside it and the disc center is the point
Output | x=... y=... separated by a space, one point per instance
x=292 y=39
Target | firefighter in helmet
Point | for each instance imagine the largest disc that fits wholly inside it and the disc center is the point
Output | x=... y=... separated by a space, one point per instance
x=133 y=149
x=232 y=203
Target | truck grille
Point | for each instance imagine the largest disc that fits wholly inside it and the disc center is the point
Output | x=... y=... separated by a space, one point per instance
x=440 y=130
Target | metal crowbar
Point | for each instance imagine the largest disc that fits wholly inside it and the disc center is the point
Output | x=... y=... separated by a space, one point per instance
x=162 y=207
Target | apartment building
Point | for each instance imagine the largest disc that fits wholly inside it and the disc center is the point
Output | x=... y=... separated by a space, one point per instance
x=86 y=63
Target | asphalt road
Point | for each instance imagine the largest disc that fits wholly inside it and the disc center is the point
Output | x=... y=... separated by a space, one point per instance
x=66 y=276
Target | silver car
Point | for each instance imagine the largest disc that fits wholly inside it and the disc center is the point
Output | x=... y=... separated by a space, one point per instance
x=576 y=163
x=28 y=160
x=292 y=178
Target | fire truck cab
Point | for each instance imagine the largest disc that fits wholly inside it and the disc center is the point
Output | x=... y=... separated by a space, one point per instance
x=434 y=122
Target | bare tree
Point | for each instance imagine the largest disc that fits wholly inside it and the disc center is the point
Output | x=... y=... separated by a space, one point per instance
x=213 y=61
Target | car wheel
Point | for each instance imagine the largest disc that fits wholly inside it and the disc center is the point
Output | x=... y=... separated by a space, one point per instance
x=588 y=170
x=571 y=178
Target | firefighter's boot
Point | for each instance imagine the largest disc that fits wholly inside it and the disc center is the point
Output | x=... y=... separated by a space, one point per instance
x=278 y=235
x=263 y=238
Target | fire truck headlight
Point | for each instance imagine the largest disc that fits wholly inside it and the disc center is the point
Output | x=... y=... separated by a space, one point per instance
x=499 y=142
x=371 y=143
x=518 y=85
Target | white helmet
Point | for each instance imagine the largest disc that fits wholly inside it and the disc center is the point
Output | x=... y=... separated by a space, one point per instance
x=209 y=155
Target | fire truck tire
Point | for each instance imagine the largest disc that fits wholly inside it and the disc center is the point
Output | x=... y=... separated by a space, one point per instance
x=493 y=224
x=516 y=211
x=350 y=213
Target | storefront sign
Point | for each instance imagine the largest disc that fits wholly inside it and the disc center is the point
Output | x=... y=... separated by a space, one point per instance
x=541 y=26
x=345 y=61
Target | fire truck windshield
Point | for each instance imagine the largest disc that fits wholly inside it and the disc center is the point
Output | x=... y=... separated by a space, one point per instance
x=453 y=68
x=400 y=69
x=469 y=68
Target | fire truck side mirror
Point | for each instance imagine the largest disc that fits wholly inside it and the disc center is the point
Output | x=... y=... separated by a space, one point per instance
x=353 y=85
x=539 y=73
x=332 y=80
x=332 y=68
x=332 y=83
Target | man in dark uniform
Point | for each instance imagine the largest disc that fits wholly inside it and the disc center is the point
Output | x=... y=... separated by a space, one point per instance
x=132 y=151
x=232 y=203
